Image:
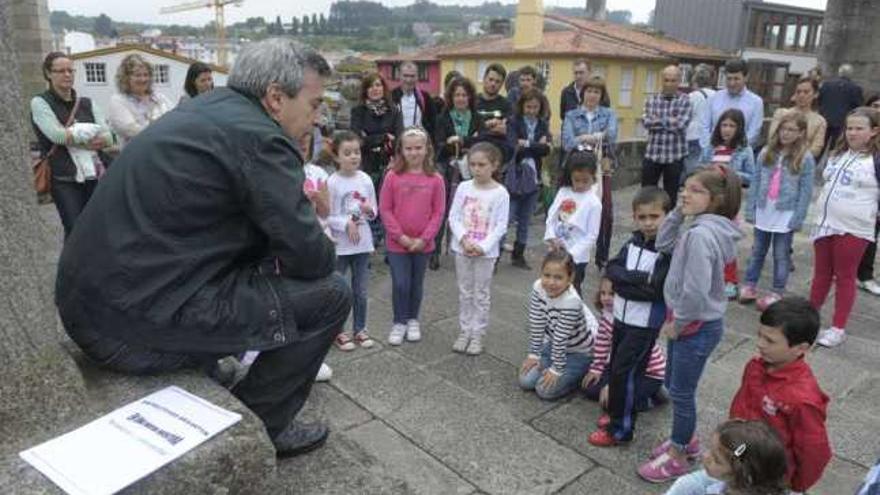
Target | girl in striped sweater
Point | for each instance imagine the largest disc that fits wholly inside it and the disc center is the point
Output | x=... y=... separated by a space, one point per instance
x=651 y=391
x=561 y=328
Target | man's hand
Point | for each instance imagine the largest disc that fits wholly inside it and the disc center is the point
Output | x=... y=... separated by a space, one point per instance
x=522 y=143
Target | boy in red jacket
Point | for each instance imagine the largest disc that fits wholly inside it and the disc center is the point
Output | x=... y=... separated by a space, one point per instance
x=778 y=387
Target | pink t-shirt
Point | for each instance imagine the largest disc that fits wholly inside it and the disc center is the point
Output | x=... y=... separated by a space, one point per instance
x=411 y=204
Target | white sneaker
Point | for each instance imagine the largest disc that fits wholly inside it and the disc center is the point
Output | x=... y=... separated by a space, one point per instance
x=461 y=343
x=831 y=337
x=398 y=330
x=475 y=347
x=870 y=286
x=324 y=374
x=413 y=331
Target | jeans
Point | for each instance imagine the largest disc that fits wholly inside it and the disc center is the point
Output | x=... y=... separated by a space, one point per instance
x=407 y=280
x=359 y=264
x=279 y=380
x=671 y=172
x=836 y=259
x=686 y=359
x=70 y=199
x=630 y=352
x=781 y=258
x=692 y=160
x=522 y=206
x=576 y=367
x=474 y=274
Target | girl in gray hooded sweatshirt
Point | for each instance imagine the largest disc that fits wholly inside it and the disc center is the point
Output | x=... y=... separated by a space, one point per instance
x=694 y=293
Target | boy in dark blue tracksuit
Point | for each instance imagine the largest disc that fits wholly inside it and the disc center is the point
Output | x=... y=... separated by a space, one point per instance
x=637 y=274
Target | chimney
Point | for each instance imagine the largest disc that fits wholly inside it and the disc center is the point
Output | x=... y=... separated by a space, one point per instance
x=529 y=31
x=596 y=10
x=499 y=26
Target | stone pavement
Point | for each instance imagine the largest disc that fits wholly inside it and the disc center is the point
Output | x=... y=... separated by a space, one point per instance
x=420 y=419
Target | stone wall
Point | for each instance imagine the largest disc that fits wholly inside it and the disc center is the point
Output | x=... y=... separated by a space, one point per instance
x=32 y=38
x=850 y=36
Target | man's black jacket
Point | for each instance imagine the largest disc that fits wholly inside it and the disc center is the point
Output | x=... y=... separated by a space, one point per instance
x=190 y=238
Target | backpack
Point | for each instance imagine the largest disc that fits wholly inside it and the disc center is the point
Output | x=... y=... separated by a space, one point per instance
x=521 y=177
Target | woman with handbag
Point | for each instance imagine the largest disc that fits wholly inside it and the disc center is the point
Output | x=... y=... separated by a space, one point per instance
x=530 y=131
x=456 y=130
x=137 y=105
x=379 y=123
x=71 y=135
x=595 y=126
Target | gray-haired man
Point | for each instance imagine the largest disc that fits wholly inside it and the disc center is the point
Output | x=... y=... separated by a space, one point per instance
x=201 y=243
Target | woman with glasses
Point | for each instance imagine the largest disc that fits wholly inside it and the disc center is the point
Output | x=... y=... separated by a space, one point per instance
x=71 y=132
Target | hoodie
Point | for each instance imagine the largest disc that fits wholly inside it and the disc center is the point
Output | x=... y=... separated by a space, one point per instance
x=790 y=401
x=694 y=288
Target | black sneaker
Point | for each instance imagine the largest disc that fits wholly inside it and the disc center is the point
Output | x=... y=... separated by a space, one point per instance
x=299 y=438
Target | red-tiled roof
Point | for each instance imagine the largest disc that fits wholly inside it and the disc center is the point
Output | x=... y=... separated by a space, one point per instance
x=146 y=49
x=627 y=34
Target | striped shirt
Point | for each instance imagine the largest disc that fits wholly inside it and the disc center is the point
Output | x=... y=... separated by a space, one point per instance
x=564 y=322
x=602 y=351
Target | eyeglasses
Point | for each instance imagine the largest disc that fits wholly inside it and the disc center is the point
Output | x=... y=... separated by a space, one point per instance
x=63 y=71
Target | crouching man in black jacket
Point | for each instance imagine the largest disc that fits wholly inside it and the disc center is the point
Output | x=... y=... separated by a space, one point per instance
x=200 y=243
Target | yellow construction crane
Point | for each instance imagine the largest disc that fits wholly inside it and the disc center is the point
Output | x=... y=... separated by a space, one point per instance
x=220 y=23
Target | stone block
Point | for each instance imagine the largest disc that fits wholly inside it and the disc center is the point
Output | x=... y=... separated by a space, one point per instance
x=853 y=434
x=325 y=403
x=492 y=379
x=371 y=458
x=486 y=446
x=600 y=480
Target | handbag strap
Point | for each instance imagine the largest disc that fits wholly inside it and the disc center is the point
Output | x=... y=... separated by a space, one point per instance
x=69 y=122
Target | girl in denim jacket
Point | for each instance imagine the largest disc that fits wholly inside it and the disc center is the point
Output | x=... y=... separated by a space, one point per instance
x=730 y=147
x=777 y=204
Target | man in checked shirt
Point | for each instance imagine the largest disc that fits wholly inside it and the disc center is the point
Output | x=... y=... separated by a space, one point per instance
x=666 y=119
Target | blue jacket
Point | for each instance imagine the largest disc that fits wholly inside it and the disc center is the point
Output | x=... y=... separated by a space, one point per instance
x=742 y=162
x=517 y=129
x=576 y=123
x=795 y=191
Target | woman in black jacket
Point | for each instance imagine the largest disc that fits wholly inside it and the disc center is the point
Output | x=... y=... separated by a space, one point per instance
x=378 y=122
x=530 y=131
x=456 y=130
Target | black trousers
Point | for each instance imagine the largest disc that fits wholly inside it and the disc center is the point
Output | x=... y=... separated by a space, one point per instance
x=70 y=198
x=866 y=267
x=278 y=382
x=630 y=352
x=671 y=172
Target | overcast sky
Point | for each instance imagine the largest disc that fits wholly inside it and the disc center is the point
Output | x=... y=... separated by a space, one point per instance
x=148 y=10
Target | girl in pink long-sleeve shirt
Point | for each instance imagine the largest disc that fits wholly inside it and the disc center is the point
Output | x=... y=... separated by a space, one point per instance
x=411 y=206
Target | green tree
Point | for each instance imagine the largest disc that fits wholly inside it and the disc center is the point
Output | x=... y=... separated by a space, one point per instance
x=620 y=16
x=306 y=25
x=103 y=26
x=294 y=26
x=278 y=28
x=322 y=24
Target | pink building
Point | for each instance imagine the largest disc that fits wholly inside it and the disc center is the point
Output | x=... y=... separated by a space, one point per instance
x=426 y=61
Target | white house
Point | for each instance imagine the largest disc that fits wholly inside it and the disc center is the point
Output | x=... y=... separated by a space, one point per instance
x=96 y=72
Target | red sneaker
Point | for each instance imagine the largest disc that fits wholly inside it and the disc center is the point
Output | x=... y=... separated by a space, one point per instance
x=603 y=421
x=604 y=438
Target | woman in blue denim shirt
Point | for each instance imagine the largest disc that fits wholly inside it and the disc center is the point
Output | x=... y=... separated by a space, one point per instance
x=589 y=125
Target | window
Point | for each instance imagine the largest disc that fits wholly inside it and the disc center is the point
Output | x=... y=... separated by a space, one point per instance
x=481 y=69
x=600 y=70
x=459 y=66
x=395 y=71
x=818 y=41
x=160 y=74
x=650 y=82
x=687 y=72
x=423 y=72
x=791 y=34
x=96 y=73
x=543 y=68
x=626 y=87
x=802 y=37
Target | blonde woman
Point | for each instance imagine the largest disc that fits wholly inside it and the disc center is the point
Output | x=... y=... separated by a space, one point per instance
x=136 y=105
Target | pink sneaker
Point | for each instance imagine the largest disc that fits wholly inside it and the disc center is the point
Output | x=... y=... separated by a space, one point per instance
x=767 y=300
x=692 y=449
x=747 y=295
x=664 y=468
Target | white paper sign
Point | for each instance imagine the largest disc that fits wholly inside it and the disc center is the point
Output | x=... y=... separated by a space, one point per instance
x=131 y=442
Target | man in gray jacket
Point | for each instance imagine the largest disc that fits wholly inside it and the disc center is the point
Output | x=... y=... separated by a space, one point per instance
x=199 y=242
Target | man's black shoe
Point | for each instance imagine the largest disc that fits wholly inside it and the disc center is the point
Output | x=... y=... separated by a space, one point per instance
x=299 y=438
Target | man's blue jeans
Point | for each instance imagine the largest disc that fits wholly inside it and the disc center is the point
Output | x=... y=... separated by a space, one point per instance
x=686 y=359
x=692 y=160
x=359 y=264
x=407 y=281
x=781 y=258
x=576 y=366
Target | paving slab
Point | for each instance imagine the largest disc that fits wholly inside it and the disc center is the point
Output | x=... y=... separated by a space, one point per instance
x=371 y=458
x=328 y=404
x=600 y=480
x=487 y=446
x=854 y=434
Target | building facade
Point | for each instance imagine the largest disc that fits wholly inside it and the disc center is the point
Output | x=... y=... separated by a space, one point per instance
x=96 y=72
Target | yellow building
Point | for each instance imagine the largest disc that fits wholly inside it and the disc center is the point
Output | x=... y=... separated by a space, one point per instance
x=629 y=59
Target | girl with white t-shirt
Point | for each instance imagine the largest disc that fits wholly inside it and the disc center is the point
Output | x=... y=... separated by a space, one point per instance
x=846 y=214
x=352 y=207
x=573 y=218
x=777 y=204
x=477 y=220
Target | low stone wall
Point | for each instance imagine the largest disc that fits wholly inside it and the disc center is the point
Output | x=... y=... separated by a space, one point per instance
x=628 y=171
